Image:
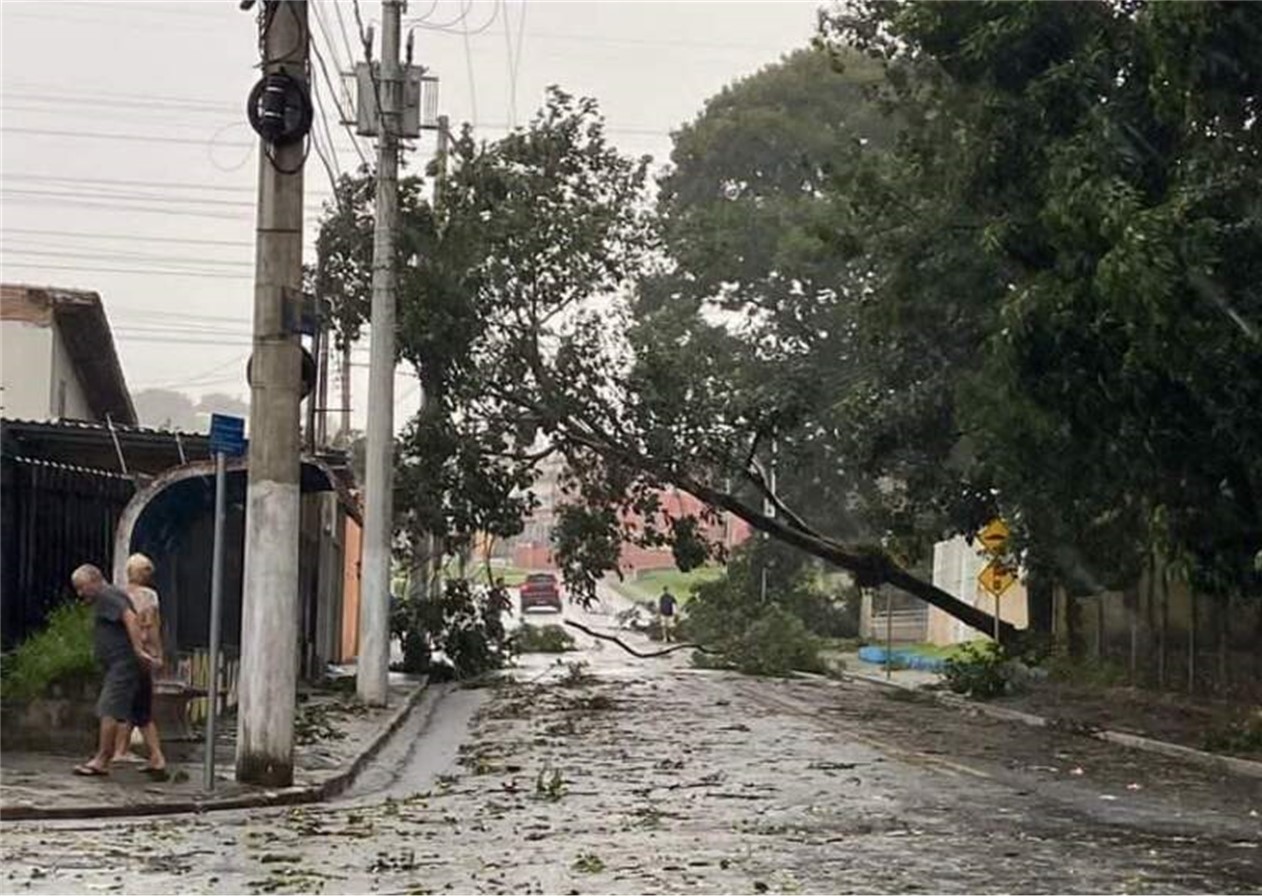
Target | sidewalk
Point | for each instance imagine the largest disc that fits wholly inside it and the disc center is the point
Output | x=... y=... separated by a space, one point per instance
x=1048 y=707
x=336 y=737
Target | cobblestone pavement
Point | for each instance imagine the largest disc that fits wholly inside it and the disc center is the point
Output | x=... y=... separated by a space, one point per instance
x=627 y=776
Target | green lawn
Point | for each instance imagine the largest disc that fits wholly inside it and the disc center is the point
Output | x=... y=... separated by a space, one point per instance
x=476 y=572
x=650 y=584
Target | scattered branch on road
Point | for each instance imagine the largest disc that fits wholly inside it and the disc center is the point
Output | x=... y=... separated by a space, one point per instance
x=631 y=650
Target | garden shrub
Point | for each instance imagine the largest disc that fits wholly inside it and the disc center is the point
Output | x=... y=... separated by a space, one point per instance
x=981 y=671
x=462 y=622
x=58 y=654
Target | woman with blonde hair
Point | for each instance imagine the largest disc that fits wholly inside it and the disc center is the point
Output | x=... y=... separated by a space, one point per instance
x=144 y=599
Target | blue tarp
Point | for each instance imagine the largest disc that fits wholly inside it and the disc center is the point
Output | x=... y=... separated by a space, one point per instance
x=907 y=658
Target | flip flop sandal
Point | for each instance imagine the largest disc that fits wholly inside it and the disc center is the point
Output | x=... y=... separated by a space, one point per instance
x=90 y=771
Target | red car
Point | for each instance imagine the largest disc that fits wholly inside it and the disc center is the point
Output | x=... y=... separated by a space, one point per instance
x=540 y=590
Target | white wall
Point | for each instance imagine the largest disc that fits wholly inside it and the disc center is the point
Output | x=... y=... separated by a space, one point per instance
x=26 y=354
x=956 y=566
x=33 y=364
x=76 y=407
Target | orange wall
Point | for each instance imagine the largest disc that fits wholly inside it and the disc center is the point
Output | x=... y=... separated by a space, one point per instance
x=350 y=592
x=729 y=532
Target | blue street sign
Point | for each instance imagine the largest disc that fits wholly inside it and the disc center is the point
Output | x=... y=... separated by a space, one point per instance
x=227 y=435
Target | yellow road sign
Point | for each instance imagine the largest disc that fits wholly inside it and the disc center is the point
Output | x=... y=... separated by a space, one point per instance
x=994 y=536
x=996 y=577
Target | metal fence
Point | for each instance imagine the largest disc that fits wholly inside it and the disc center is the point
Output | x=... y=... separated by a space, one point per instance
x=53 y=517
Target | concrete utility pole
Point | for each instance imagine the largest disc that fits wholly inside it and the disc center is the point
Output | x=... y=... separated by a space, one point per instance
x=346 y=393
x=374 y=603
x=434 y=553
x=269 y=616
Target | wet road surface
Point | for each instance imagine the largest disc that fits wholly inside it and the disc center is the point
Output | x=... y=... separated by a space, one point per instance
x=629 y=776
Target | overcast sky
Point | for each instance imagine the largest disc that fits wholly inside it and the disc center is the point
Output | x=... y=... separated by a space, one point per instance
x=128 y=167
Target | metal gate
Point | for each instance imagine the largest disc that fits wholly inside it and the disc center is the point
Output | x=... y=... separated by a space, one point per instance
x=53 y=517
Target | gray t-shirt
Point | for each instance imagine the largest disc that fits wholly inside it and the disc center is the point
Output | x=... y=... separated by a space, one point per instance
x=109 y=634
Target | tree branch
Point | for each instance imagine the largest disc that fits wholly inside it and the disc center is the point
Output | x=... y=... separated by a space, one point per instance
x=756 y=476
x=631 y=650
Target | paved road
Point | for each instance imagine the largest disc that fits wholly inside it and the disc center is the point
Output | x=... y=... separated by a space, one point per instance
x=627 y=776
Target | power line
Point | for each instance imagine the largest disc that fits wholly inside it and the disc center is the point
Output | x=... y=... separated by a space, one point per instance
x=110 y=200
x=433 y=5
x=96 y=135
x=197 y=377
x=138 y=138
x=473 y=85
x=343 y=115
x=344 y=31
x=120 y=236
x=116 y=182
x=450 y=27
x=466 y=7
x=122 y=100
x=151 y=272
x=133 y=256
x=114 y=206
x=163 y=313
x=638 y=131
x=521 y=31
x=128 y=196
x=508 y=50
x=367 y=44
x=103 y=108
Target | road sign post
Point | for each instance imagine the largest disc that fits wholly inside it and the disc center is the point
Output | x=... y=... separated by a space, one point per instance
x=995 y=577
x=227 y=438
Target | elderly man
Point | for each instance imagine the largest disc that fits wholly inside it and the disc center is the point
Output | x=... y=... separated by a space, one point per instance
x=117 y=640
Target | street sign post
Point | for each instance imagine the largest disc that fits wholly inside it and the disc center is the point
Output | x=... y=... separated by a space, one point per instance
x=227 y=438
x=994 y=537
x=996 y=577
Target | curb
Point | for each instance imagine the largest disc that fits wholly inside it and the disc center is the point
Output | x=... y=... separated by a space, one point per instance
x=289 y=796
x=1229 y=764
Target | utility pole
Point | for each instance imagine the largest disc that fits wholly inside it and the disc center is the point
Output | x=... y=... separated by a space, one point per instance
x=320 y=402
x=269 y=616
x=374 y=603
x=768 y=509
x=433 y=552
x=346 y=393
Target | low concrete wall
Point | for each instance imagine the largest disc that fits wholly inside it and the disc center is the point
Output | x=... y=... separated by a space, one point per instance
x=63 y=724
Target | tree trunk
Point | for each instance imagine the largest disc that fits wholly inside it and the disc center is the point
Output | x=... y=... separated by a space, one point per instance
x=1165 y=626
x=1192 y=641
x=1039 y=589
x=1150 y=611
x=1222 y=608
x=1132 y=606
x=1073 y=625
x=1099 y=627
x=869 y=566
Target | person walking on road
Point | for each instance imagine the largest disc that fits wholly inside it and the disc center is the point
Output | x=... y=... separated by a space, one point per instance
x=666 y=610
x=144 y=600
x=117 y=642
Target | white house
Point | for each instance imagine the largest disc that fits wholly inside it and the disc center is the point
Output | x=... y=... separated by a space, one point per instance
x=57 y=357
x=956 y=567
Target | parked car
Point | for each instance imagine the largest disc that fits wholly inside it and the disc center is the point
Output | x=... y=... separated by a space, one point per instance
x=540 y=590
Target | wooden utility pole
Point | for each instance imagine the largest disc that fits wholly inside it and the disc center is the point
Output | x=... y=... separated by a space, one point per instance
x=374 y=603
x=269 y=616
